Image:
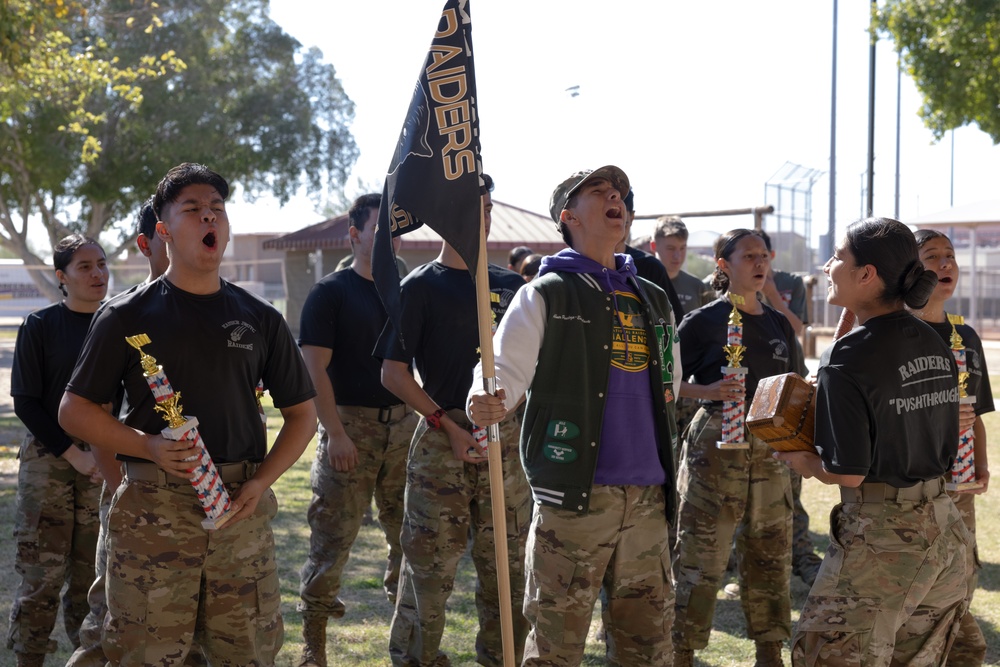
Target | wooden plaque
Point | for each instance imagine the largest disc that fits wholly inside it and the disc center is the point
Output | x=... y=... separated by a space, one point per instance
x=782 y=413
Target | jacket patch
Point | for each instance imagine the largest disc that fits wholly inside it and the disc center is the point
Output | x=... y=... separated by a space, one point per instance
x=562 y=429
x=664 y=339
x=559 y=452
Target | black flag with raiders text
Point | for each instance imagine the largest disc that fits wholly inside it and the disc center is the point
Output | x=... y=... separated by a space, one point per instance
x=433 y=177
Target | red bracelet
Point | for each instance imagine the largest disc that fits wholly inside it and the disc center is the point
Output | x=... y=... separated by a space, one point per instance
x=434 y=420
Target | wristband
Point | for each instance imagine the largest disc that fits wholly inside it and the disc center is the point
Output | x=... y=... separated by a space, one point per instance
x=434 y=420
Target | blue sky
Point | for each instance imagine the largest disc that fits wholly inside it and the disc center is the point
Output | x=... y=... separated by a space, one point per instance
x=700 y=103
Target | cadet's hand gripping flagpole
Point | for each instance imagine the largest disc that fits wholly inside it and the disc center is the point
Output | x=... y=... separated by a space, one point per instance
x=494 y=447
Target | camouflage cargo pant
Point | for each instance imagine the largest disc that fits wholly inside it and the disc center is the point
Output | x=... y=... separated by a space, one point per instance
x=725 y=493
x=339 y=502
x=170 y=580
x=90 y=652
x=56 y=537
x=446 y=499
x=969 y=648
x=892 y=587
x=620 y=547
x=803 y=549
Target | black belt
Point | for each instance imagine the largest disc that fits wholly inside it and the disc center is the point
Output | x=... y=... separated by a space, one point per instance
x=385 y=415
x=877 y=492
x=230 y=473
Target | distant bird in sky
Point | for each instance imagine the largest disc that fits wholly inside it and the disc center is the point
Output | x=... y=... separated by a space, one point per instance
x=574 y=91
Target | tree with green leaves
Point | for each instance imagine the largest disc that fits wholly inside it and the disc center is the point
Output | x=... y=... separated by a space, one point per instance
x=952 y=51
x=51 y=71
x=215 y=81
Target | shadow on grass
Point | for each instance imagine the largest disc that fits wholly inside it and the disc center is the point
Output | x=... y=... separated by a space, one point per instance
x=992 y=641
x=989 y=577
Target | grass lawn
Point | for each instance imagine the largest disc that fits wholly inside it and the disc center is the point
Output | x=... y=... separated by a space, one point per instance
x=360 y=638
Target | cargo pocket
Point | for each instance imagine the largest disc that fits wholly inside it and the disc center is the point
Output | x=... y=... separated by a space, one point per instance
x=125 y=634
x=33 y=499
x=835 y=630
x=888 y=540
x=270 y=629
x=643 y=614
x=556 y=600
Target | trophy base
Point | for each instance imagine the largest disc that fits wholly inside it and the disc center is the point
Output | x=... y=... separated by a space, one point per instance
x=961 y=486
x=732 y=445
x=219 y=522
x=179 y=432
x=967 y=400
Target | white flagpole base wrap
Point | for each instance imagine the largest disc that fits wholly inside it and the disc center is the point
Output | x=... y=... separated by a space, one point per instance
x=205 y=478
x=734 y=412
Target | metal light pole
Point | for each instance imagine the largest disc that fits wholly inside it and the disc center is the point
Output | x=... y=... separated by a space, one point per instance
x=831 y=227
x=899 y=102
x=870 y=206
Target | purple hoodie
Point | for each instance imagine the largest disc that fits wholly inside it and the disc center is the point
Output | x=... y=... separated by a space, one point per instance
x=628 y=453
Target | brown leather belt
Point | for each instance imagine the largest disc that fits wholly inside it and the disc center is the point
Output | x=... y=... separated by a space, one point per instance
x=877 y=492
x=231 y=473
x=387 y=415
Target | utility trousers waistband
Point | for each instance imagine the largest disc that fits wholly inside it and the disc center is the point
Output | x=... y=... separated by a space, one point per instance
x=877 y=492
x=385 y=415
x=230 y=473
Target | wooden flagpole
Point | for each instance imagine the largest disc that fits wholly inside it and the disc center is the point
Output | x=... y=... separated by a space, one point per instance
x=494 y=446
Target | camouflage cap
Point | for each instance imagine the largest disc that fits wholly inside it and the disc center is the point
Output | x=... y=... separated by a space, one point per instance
x=568 y=188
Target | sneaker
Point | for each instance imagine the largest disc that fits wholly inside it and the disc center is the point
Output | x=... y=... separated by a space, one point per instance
x=732 y=590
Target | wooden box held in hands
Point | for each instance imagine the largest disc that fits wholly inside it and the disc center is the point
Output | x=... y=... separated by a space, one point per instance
x=782 y=413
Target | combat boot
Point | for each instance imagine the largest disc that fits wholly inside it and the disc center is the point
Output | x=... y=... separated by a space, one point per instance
x=314 y=635
x=768 y=654
x=30 y=659
x=683 y=657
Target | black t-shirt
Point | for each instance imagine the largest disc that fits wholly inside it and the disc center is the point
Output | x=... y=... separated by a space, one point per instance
x=48 y=344
x=343 y=313
x=768 y=338
x=441 y=328
x=887 y=403
x=651 y=268
x=213 y=348
x=978 y=384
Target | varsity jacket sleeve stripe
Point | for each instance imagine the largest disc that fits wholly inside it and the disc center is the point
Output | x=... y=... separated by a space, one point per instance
x=678 y=366
x=515 y=346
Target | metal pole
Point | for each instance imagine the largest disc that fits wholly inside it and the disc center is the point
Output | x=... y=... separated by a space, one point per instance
x=899 y=98
x=831 y=225
x=951 y=198
x=973 y=281
x=870 y=203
